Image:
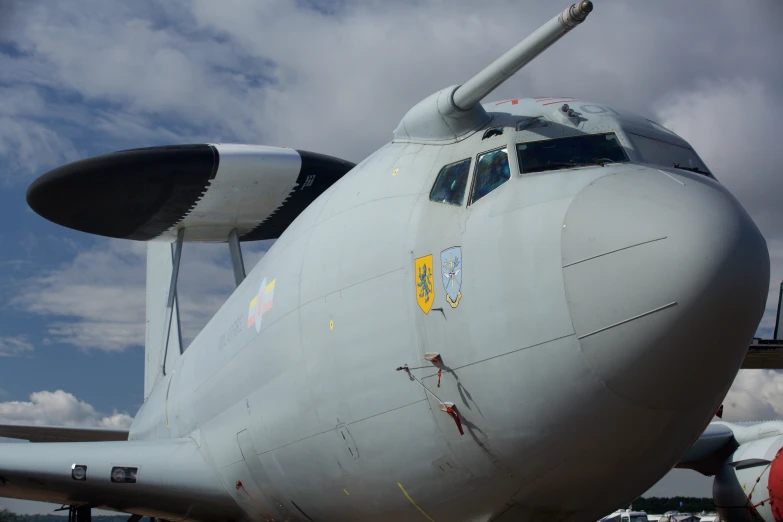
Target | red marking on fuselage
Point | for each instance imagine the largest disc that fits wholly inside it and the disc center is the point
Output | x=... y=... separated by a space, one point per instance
x=560 y=101
x=513 y=102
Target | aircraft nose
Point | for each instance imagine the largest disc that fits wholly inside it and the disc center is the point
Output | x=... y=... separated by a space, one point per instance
x=666 y=278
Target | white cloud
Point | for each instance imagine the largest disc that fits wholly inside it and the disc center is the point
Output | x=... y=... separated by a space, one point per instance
x=755 y=395
x=14 y=347
x=116 y=420
x=59 y=408
x=730 y=124
x=103 y=288
x=142 y=73
x=28 y=146
x=96 y=301
x=282 y=73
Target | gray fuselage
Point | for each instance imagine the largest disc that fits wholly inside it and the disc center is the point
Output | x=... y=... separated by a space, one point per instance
x=588 y=296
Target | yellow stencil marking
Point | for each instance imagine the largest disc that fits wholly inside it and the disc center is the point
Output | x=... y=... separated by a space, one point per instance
x=395 y=171
x=346 y=492
x=415 y=504
x=331 y=325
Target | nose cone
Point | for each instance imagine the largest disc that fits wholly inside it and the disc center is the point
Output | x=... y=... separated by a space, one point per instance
x=666 y=279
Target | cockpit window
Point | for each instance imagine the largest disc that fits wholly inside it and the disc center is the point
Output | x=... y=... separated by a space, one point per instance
x=574 y=151
x=668 y=155
x=491 y=172
x=497 y=131
x=450 y=184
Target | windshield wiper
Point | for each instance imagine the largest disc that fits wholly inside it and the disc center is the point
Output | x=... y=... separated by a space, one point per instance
x=691 y=169
x=604 y=161
x=566 y=164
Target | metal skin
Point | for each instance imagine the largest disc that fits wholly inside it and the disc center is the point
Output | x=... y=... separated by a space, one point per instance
x=588 y=298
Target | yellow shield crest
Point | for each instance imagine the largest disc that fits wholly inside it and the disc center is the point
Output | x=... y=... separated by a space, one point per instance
x=425 y=288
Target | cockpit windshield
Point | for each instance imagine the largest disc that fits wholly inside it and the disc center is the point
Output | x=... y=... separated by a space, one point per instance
x=668 y=155
x=574 y=151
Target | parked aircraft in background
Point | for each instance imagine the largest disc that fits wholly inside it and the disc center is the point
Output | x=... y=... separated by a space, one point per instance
x=458 y=328
x=627 y=515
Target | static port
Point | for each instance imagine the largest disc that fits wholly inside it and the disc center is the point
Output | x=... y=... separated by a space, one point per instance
x=78 y=472
x=124 y=474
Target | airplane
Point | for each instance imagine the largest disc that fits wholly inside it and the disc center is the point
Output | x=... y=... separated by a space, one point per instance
x=744 y=459
x=491 y=318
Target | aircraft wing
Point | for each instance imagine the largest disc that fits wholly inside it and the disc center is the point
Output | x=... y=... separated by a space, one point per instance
x=169 y=479
x=61 y=433
x=764 y=354
x=708 y=453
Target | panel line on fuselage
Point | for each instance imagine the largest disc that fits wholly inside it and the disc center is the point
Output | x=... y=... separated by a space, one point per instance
x=385 y=412
x=302 y=304
x=370 y=202
x=347 y=424
x=502 y=354
x=664 y=307
x=613 y=251
x=671 y=177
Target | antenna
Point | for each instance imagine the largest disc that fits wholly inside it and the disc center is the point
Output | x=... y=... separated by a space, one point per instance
x=477 y=88
x=454 y=112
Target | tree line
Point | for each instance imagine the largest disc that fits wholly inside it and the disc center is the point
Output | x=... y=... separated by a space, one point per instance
x=8 y=516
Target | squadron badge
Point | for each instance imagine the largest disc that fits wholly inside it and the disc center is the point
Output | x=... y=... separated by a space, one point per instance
x=451 y=269
x=425 y=288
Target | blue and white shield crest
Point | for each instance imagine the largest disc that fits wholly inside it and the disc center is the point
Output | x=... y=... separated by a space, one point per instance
x=451 y=270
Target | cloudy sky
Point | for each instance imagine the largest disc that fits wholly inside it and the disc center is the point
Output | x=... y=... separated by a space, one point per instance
x=334 y=76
